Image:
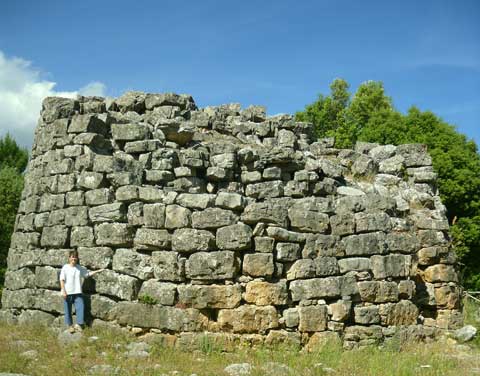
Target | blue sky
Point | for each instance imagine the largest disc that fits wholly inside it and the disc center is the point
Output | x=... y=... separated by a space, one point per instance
x=280 y=54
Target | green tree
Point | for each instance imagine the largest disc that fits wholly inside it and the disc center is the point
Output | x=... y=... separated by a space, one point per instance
x=370 y=116
x=12 y=155
x=13 y=161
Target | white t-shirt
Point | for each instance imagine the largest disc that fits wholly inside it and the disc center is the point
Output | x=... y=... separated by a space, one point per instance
x=72 y=275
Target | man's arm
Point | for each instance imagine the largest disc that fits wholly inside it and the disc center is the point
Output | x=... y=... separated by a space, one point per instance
x=62 y=288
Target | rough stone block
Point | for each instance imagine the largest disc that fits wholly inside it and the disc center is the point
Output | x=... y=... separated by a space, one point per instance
x=95 y=257
x=188 y=240
x=210 y=296
x=391 y=266
x=163 y=293
x=268 y=211
x=128 y=261
x=258 y=264
x=378 y=291
x=118 y=285
x=152 y=239
x=358 y=264
x=116 y=212
x=55 y=236
x=326 y=266
x=114 y=234
x=248 y=319
x=234 y=237
x=264 y=244
x=287 y=251
x=129 y=132
x=368 y=222
x=440 y=273
x=212 y=218
x=367 y=315
x=315 y=288
x=82 y=237
x=365 y=244
x=265 y=293
x=312 y=318
x=168 y=266
x=300 y=269
x=211 y=265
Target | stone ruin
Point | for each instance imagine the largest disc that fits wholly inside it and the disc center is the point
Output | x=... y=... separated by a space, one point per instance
x=226 y=223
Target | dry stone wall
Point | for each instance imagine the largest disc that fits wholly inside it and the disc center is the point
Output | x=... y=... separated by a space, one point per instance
x=228 y=223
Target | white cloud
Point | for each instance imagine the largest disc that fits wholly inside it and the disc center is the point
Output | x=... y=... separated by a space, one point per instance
x=22 y=90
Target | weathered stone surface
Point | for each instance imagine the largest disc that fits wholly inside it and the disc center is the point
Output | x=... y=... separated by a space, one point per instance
x=128 y=261
x=154 y=215
x=365 y=244
x=378 y=291
x=234 y=237
x=440 y=273
x=211 y=265
x=129 y=132
x=401 y=313
x=288 y=251
x=264 y=244
x=152 y=239
x=210 y=296
x=312 y=318
x=168 y=266
x=47 y=277
x=340 y=310
x=269 y=211
x=366 y=315
x=95 y=257
x=108 y=213
x=55 y=237
x=19 y=279
x=166 y=318
x=264 y=190
x=248 y=319
x=118 y=285
x=82 y=236
x=163 y=293
x=283 y=235
x=188 y=240
x=212 y=218
x=368 y=222
x=265 y=293
x=258 y=264
x=315 y=288
x=342 y=224
x=177 y=217
x=391 y=266
x=309 y=215
x=233 y=201
x=300 y=269
x=114 y=234
x=354 y=264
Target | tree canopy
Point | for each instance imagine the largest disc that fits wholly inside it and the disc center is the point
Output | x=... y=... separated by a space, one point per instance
x=369 y=115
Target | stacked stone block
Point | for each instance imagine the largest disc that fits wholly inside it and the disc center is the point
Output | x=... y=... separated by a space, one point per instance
x=229 y=222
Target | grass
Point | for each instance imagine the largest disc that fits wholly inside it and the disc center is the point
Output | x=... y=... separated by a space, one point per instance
x=441 y=358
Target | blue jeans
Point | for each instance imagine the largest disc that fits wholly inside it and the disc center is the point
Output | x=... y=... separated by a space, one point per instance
x=77 y=300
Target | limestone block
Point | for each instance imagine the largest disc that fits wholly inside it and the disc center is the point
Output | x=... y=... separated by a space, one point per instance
x=90 y=180
x=448 y=296
x=188 y=240
x=168 y=266
x=23 y=240
x=326 y=266
x=234 y=237
x=265 y=293
x=403 y=242
x=142 y=146
x=268 y=189
x=54 y=108
x=129 y=132
x=406 y=289
x=195 y=201
x=19 y=279
x=291 y=317
x=378 y=291
x=99 y=196
x=47 y=277
x=135 y=214
x=210 y=296
x=375 y=221
x=272 y=173
x=232 y=201
x=248 y=319
x=212 y=218
x=283 y=235
x=264 y=244
x=251 y=177
x=258 y=264
x=308 y=215
x=315 y=288
x=35 y=317
x=312 y=318
x=449 y=319
x=82 y=237
x=269 y=211
x=101 y=306
x=158 y=317
x=51 y=202
x=116 y=212
x=103 y=163
x=440 y=273
x=366 y=315
x=163 y=292
x=401 y=313
x=55 y=236
x=152 y=239
x=114 y=234
x=300 y=269
x=287 y=251
x=211 y=265
x=393 y=265
x=322 y=340
x=365 y=244
x=354 y=264
x=128 y=261
x=343 y=224
x=95 y=257
x=118 y=285
x=127 y=193
x=158 y=176
x=154 y=215
x=325 y=245
x=340 y=310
